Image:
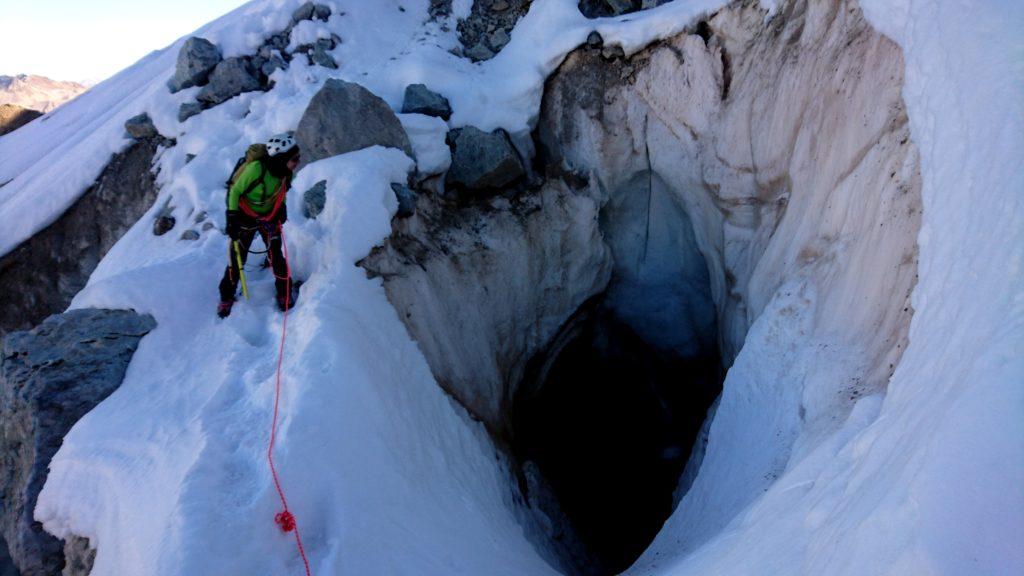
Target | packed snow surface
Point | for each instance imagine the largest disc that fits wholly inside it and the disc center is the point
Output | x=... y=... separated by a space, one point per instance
x=385 y=474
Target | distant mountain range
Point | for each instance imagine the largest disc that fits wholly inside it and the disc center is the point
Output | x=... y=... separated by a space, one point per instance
x=37 y=92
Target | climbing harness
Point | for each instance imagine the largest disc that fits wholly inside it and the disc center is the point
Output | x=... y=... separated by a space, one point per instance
x=284 y=519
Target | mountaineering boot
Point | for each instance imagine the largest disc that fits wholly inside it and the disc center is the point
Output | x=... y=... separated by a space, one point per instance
x=283 y=303
x=224 y=308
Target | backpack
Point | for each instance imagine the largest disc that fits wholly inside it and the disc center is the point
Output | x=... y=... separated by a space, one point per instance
x=255 y=153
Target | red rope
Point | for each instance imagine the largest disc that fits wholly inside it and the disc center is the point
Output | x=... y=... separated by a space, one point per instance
x=284 y=519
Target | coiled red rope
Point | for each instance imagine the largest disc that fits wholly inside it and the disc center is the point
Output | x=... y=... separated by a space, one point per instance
x=284 y=519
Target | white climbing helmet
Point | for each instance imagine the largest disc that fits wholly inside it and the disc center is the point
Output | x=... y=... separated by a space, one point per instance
x=280 y=143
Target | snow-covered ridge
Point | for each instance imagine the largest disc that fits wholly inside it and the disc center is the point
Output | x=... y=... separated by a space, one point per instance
x=386 y=475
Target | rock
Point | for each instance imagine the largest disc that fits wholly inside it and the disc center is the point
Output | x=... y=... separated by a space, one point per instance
x=613 y=53
x=479 y=52
x=190 y=235
x=304 y=12
x=406 y=201
x=40 y=276
x=419 y=100
x=78 y=557
x=50 y=377
x=320 y=57
x=314 y=199
x=594 y=40
x=164 y=221
x=321 y=12
x=188 y=110
x=141 y=126
x=344 y=117
x=485 y=32
x=13 y=117
x=498 y=39
x=229 y=79
x=272 y=63
x=196 y=59
x=482 y=160
x=189 y=158
x=207 y=226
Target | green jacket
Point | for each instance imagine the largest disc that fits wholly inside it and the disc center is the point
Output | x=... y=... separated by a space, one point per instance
x=262 y=197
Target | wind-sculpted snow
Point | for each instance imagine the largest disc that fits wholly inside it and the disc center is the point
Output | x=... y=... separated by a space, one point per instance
x=388 y=475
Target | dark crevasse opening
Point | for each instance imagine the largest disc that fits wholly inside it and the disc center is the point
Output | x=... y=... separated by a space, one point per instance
x=611 y=427
x=610 y=410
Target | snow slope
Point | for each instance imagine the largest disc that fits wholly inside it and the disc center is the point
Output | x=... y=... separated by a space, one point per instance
x=386 y=476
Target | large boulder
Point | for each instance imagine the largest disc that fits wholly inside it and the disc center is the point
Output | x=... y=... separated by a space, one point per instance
x=50 y=377
x=344 y=117
x=482 y=160
x=229 y=79
x=196 y=59
x=420 y=100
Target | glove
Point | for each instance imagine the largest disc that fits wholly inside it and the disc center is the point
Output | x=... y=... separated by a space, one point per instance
x=282 y=213
x=234 y=224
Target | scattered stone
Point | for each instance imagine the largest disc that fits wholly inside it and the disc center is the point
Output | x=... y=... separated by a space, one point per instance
x=207 y=226
x=79 y=557
x=141 y=126
x=321 y=12
x=50 y=377
x=314 y=199
x=498 y=39
x=188 y=110
x=196 y=59
x=273 y=63
x=420 y=100
x=482 y=160
x=164 y=221
x=479 y=52
x=499 y=6
x=604 y=8
x=190 y=235
x=229 y=79
x=304 y=12
x=594 y=40
x=189 y=158
x=344 y=117
x=613 y=53
x=320 y=57
x=406 y=201
x=201 y=217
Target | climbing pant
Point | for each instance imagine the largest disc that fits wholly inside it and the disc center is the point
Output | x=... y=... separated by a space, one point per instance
x=270 y=232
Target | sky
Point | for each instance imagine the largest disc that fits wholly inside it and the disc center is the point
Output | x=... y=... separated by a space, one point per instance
x=90 y=40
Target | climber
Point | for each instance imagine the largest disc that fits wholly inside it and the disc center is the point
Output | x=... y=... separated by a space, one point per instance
x=256 y=203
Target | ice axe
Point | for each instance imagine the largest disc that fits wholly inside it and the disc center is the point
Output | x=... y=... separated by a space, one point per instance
x=241 y=270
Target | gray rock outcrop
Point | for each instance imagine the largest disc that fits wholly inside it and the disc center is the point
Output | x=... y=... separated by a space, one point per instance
x=188 y=110
x=196 y=59
x=314 y=199
x=420 y=100
x=40 y=276
x=230 y=78
x=141 y=126
x=50 y=377
x=406 y=200
x=344 y=117
x=482 y=160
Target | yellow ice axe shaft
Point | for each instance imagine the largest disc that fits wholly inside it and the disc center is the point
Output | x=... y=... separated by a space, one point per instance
x=241 y=271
